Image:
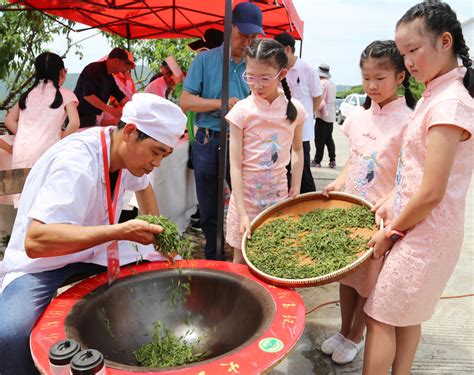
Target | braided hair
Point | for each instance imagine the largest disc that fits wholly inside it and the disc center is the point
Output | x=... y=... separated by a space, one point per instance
x=273 y=53
x=439 y=18
x=386 y=50
x=47 y=68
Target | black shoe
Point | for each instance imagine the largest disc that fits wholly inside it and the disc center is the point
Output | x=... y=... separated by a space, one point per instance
x=195 y=216
x=195 y=225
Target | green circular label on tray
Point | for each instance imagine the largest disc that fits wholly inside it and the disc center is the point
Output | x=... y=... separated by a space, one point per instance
x=271 y=345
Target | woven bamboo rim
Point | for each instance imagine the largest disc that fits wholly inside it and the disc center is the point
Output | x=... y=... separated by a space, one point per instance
x=300 y=205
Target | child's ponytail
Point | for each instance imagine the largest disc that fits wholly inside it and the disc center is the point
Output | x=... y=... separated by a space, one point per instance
x=48 y=67
x=367 y=102
x=291 y=111
x=58 y=99
x=22 y=101
x=409 y=97
x=469 y=76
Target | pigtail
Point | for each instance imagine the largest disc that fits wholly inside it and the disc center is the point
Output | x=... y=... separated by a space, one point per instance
x=468 y=79
x=291 y=111
x=367 y=103
x=58 y=99
x=409 y=97
x=22 y=101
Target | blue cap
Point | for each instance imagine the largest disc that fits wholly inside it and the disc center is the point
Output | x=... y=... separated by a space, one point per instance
x=248 y=18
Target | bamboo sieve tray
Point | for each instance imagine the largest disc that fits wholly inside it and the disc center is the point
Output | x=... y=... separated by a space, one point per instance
x=298 y=206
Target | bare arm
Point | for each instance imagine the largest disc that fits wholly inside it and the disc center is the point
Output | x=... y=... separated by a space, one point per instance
x=147 y=201
x=96 y=102
x=443 y=141
x=339 y=183
x=73 y=117
x=235 y=159
x=297 y=159
x=383 y=208
x=194 y=103
x=235 y=156
x=11 y=121
x=317 y=101
x=382 y=201
x=48 y=240
x=6 y=146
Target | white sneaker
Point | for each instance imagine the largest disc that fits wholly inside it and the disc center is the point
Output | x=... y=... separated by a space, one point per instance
x=346 y=352
x=332 y=343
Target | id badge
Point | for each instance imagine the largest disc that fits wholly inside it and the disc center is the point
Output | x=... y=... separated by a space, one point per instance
x=113 y=264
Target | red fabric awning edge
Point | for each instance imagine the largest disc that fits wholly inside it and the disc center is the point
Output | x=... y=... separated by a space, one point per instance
x=279 y=16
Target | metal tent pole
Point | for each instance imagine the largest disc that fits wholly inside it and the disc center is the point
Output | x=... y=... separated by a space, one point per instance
x=223 y=132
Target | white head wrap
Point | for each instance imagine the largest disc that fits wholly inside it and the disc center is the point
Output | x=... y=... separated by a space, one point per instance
x=156 y=117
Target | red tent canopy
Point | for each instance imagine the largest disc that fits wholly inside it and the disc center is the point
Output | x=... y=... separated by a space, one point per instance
x=151 y=19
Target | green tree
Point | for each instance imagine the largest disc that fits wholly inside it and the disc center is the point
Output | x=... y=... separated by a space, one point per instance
x=26 y=32
x=352 y=90
x=24 y=35
x=416 y=88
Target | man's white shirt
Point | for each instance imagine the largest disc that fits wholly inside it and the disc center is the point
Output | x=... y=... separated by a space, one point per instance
x=67 y=186
x=304 y=83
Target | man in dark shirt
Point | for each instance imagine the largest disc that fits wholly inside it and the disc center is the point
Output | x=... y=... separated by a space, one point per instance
x=96 y=84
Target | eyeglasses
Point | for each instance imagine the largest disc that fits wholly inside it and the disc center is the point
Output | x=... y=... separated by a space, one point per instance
x=261 y=80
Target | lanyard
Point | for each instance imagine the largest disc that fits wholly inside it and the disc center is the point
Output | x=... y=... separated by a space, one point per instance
x=111 y=205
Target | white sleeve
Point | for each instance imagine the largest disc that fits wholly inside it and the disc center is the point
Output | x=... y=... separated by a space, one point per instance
x=315 y=84
x=66 y=195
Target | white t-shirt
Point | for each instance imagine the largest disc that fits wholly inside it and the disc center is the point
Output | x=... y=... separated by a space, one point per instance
x=303 y=80
x=67 y=186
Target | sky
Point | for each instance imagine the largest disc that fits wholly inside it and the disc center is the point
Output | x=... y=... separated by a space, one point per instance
x=335 y=33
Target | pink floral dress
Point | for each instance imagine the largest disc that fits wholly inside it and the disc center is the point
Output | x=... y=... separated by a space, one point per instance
x=375 y=138
x=267 y=139
x=418 y=267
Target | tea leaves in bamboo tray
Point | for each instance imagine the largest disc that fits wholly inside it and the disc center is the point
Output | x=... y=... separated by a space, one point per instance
x=315 y=244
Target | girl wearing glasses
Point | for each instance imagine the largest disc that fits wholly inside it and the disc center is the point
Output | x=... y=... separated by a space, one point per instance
x=264 y=129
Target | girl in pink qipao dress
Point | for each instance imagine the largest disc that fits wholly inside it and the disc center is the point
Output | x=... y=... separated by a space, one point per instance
x=434 y=171
x=265 y=128
x=375 y=137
